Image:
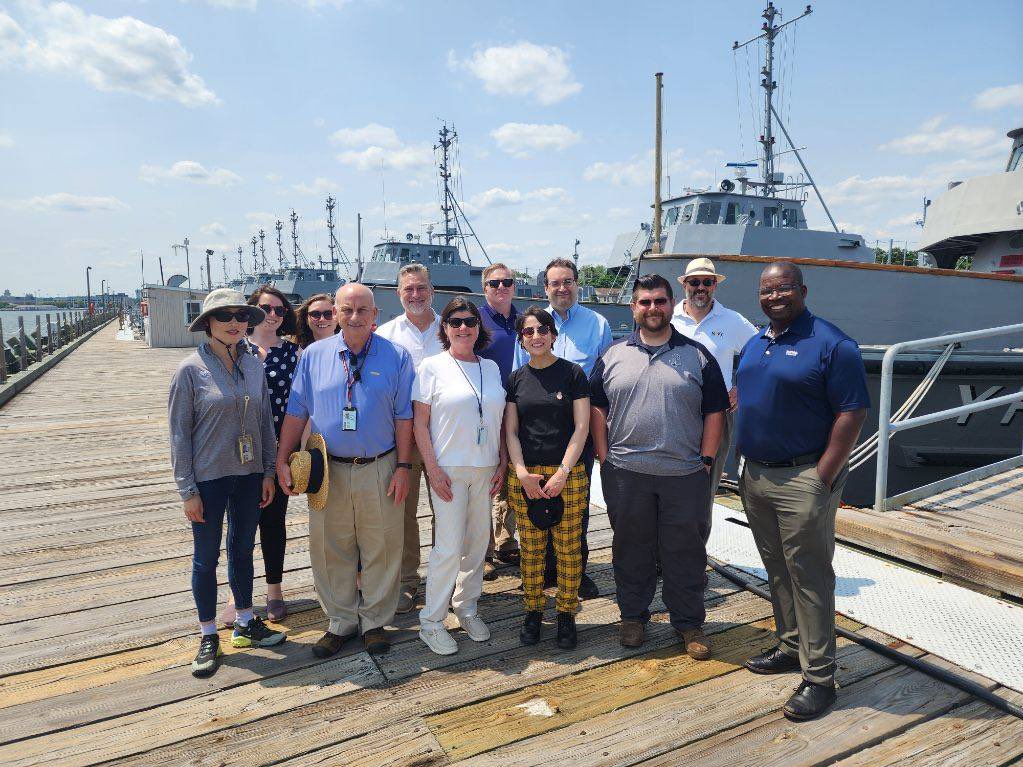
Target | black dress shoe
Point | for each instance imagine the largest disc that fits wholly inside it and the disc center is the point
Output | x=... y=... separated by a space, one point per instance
x=530 y=633
x=587 y=588
x=566 y=631
x=772 y=662
x=810 y=701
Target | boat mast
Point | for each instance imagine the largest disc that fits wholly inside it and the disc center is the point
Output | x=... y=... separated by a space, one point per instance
x=255 y=261
x=331 y=202
x=445 y=138
x=262 y=251
x=223 y=264
x=280 y=248
x=241 y=266
x=657 y=166
x=296 y=252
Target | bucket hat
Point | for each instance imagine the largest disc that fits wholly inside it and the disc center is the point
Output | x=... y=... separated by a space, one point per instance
x=225 y=298
x=309 y=472
x=700 y=267
x=545 y=513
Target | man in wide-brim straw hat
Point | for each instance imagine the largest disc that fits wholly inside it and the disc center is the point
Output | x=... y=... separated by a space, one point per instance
x=723 y=331
x=356 y=388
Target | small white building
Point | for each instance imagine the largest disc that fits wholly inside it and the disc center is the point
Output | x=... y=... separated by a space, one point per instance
x=166 y=314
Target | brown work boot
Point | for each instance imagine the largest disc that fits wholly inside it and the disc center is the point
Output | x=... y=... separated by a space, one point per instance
x=376 y=641
x=630 y=634
x=697 y=643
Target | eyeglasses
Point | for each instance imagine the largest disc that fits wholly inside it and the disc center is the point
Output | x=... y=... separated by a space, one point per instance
x=543 y=330
x=226 y=315
x=457 y=322
x=280 y=311
x=325 y=314
x=504 y=282
x=558 y=284
x=785 y=288
x=695 y=282
x=646 y=303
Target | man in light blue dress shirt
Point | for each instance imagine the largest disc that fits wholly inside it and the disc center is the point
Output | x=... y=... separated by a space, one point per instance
x=583 y=335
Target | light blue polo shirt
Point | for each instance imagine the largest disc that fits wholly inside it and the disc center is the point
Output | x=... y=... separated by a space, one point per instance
x=382 y=395
x=582 y=338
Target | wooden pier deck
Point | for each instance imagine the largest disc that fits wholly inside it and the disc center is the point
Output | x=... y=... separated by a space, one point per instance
x=97 y=629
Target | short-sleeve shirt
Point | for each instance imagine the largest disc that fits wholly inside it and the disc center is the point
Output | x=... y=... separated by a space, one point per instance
x=656 y=400
x=382 y=395
x=582 y=337
x=419 y=343
x=723 y=331
x=503 y=340
x=792 y=386
x=544 y=399
x=279 y=367
x=454 y=390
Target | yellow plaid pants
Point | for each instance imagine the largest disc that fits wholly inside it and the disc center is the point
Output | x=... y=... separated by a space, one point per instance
x=567 y=536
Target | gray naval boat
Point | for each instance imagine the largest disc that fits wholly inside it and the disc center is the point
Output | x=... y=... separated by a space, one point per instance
x=744 y=224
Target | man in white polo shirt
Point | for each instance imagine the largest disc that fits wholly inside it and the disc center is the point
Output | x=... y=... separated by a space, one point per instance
x=417 y=331
x=722 y=331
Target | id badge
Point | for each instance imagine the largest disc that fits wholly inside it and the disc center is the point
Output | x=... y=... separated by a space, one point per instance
x=481 y=435
x=349 y=419
x=245 y=450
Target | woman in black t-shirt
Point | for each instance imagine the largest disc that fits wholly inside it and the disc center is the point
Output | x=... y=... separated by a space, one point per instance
x=547 y=420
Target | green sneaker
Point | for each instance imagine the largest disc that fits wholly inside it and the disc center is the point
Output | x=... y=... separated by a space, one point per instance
x=256 y=634
x=206 y=662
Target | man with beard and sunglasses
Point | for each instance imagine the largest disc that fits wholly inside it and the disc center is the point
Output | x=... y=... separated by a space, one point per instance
x=724 y=332
x=658 y=404
x=417 y=331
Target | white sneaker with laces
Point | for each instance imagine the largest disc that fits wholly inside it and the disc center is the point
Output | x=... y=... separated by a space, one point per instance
x=474 y=627
x=439 y=640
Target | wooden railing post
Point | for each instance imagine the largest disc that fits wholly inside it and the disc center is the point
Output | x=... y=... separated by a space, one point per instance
x=39 y=338
x=3 y=354
x=49 y=336
x=22 y=345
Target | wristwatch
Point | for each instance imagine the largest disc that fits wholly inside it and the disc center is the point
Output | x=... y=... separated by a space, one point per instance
x=708 y=460
x=403 y=465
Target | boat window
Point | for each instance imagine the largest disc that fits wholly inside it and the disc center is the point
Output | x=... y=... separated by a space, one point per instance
x=770 y=217
x=730 y=212
x=1016 y=158
x=708 y=212
x=404 y=255
x=789 y=218
x=687 y=214
x=434 y=256
x=671 y=217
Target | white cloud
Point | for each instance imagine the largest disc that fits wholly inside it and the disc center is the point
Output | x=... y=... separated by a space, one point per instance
x=319 y=186
x=1000 y=97
x=6 y=141
x=521 y=139
x=63 y=201
x=857 y=190
x=215 y=228
x=273 y=178
x=639 y=169
x=554 y=216
x=189 y=170
x=261 y=218
x=245 y=5
x=398 y=158
x=500 y=198
x=369 y=135
x=954 y=139
x=122 y=54
x=522 y=69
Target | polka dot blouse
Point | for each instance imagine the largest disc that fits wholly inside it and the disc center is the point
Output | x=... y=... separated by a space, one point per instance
x=279 y=366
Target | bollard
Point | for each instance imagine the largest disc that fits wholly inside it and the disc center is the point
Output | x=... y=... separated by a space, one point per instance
x=49 y=336
x=3 y=355
x=22 y=345
x=39 y=338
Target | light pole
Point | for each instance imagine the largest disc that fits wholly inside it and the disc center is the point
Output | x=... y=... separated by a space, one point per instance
x=103 y=294
x=88 y=292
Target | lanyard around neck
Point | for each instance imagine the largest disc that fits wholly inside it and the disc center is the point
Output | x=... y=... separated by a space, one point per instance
x=479 y=397
x=354 y=374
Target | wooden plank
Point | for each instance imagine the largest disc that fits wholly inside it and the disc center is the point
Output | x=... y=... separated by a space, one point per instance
x=406 y=744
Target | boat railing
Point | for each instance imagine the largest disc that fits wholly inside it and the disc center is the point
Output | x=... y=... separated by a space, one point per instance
x=886 y=429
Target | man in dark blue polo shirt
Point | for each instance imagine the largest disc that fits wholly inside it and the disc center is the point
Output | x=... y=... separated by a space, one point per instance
x=803 y=397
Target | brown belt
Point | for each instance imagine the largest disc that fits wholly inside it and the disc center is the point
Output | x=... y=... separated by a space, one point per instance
x=359 y=460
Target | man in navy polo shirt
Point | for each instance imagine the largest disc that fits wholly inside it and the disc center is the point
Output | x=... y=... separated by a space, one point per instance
x=499 y=315
x=802 y=399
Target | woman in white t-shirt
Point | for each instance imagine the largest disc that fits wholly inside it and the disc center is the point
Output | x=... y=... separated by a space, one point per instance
x=458 y=400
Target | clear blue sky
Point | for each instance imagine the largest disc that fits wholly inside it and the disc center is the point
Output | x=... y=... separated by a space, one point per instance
x=130 y=125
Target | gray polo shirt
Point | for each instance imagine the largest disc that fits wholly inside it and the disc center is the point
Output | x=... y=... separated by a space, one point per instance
x=205 y=409
x=656 y=400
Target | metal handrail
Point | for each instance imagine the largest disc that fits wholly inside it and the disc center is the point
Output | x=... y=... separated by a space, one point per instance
x=885 y=428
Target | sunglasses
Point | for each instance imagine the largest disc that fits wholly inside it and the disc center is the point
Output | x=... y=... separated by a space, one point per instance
x=646 y=303
x=225 y=315
x=325 y=314
x=541 y=329
x=695 y=282
x=280 y=311
x=505 y=282
x=457 y=322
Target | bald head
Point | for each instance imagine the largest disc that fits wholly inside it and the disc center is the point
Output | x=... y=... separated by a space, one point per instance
x=782 y=293
x=356 y=313
x=351 y=290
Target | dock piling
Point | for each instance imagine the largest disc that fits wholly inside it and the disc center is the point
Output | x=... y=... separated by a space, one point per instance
x=22 y=346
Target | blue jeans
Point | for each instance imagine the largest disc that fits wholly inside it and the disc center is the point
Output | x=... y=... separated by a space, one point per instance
x=239 y=497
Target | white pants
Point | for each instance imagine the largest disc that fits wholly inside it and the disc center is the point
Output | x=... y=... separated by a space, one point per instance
x=461 y=536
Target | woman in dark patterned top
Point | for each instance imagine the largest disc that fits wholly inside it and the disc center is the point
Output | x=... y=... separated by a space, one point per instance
x=279 y=357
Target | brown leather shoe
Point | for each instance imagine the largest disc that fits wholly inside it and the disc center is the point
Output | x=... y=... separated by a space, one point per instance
x=376 y=641
x=329 y=644
x=406 y=600
x=630 y=633
x=489 y=570
x=696 y=642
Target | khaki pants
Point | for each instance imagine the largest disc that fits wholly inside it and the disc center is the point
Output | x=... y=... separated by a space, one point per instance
x=792 y=515
x=359 y=523
x=410 y=548
x=502 y=532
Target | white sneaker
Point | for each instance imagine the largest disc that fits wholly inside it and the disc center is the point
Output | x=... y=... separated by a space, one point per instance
x=439 y=640
x=474 y=627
